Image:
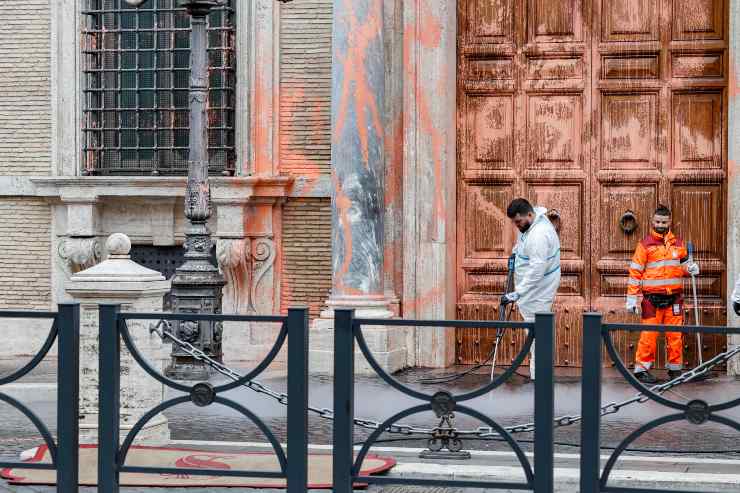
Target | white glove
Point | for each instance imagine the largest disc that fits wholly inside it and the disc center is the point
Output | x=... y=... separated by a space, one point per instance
x=510 y=297
x=631 y=306
x=692 y=268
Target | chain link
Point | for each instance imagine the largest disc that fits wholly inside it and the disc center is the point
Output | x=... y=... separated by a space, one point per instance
x=483 y=432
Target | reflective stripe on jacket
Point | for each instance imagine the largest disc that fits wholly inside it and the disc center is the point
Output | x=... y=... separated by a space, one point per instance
x=658 y=265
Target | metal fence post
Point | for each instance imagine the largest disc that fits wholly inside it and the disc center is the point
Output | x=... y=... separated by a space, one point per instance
x=591 y=403
x=544 y=402
x=109 y=392
x=298 y=400
x=344 y=396
x=68 y=398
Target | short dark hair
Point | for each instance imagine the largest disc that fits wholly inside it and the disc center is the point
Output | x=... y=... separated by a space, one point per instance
x=662 y=210
x=519 y=206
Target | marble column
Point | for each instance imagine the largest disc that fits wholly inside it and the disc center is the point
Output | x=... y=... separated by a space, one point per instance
x=358 y=169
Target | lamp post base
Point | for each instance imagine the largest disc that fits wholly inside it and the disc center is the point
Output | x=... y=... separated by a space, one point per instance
x=188 y=369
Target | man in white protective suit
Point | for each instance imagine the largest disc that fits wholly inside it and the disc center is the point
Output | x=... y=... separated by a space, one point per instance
x=736 y=297
x=537 y=265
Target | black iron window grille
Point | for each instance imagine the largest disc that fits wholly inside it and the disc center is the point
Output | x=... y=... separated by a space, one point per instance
x=136 y=74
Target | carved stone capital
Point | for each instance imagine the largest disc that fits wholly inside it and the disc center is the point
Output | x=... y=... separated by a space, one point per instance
x=232 y=252
x=244 y=263
x=80 y=253
x=264 y=258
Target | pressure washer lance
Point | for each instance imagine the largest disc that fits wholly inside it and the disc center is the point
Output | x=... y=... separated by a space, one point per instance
x=690 y=248
x=503 y=315
x=502 y=311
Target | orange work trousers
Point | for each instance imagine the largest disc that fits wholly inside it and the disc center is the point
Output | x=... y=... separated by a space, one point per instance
x=652 y=315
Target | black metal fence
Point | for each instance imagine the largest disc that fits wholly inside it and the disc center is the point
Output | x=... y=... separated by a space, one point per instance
x=112 y=455
x=593 y=479
x=346 y=470
x=65 y=330
x=293 y=464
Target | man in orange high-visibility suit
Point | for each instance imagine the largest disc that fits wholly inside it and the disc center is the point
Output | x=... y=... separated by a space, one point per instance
x=657 y=270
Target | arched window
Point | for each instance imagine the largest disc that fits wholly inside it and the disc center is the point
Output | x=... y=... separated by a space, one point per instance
x=136 y=71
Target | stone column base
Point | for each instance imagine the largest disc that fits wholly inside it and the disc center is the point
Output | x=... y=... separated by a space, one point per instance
x=388 y=344
x=155 y=432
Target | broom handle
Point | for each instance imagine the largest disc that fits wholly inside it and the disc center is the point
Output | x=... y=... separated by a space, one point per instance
x=690 y=247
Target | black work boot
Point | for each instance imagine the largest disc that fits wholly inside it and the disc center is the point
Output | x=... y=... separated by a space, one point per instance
x=673 y=374
x=646 y=377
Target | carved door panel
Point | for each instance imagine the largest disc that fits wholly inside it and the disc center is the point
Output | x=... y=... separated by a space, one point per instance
x=659 y=79
x=524 y=107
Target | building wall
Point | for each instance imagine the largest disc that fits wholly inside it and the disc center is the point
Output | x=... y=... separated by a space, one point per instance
x=25 y=253
x=306 y=253
x=733 y=181
x=305 y=87
x=25 y=96
x=305 y=151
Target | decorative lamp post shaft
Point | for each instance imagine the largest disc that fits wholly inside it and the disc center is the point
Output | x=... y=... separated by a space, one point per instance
x=197 y=285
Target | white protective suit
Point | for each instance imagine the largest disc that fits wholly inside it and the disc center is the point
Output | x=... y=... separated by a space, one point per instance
x=537 y=269
x=735 y=298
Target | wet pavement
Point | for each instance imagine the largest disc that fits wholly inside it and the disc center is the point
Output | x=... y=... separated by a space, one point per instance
x=510 y=404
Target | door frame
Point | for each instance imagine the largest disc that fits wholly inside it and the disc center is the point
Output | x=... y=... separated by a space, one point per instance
x=433 y=76
x=430 y=166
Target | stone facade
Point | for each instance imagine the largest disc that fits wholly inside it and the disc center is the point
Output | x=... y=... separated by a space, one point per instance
x=305 y=80
x=733 y=168
x=306 y=254
x=25 y=254
x=25 y=150
x=25 y=90
x=25 y=269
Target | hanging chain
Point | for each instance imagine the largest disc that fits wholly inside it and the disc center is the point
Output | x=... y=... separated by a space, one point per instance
x=482 y=432
x=615 y=407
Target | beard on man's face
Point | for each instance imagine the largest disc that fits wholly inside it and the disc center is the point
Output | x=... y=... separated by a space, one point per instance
x=525 y=227
x=661 y=230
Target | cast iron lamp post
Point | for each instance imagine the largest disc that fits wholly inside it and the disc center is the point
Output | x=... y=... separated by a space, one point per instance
x=197 y=284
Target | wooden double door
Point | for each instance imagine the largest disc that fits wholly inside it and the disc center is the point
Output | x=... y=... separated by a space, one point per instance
x=598 y=110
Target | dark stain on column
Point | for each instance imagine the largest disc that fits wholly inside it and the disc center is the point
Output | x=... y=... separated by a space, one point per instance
x=357 y=156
